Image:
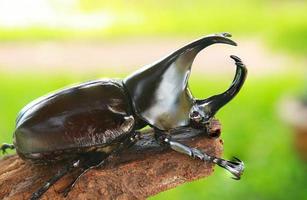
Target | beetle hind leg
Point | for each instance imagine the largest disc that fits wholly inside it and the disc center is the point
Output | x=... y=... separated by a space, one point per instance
x=6 y=146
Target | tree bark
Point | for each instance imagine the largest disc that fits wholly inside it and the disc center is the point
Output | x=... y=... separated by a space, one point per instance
x=143 y=170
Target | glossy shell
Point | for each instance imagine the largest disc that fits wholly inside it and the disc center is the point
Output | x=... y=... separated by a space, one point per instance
x=160 y=93
x=93 y=114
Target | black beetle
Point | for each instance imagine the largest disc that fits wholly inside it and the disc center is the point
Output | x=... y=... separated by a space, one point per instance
x=88 y=122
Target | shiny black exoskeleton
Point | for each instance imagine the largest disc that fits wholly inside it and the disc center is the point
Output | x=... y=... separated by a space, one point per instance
x=88 y=122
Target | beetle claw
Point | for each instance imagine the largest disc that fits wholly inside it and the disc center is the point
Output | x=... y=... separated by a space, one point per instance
x=234 y=166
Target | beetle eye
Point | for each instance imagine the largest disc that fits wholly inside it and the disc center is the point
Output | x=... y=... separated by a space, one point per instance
x=195 y=116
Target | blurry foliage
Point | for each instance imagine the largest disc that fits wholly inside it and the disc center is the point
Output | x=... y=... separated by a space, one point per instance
x=281 y=23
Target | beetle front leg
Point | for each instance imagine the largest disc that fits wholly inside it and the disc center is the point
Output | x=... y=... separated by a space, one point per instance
x=235 y=167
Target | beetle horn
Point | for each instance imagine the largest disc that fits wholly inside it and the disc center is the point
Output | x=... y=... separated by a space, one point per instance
x=212 y=104
x=150 y=86
x=204 y=42
x=183 y=58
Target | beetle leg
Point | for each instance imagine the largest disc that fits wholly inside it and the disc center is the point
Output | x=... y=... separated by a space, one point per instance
x=72 y=184
x=36 y=195
x=235 y=166
x=95 y=161
x=6 y=146
x=92 y=161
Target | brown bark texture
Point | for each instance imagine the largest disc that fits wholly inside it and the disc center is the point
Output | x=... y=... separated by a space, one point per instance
x=141 y=171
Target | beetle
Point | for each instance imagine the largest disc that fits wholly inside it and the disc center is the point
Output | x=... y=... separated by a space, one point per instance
x=88 y=122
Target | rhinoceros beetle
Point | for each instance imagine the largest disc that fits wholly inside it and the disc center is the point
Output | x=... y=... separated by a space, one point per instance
x=88 y=122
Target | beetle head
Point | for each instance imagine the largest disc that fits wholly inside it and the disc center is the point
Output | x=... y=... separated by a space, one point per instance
x=203 y=110
x=160 y=94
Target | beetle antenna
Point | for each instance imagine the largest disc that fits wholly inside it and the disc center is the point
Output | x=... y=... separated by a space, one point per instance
x=214 y=103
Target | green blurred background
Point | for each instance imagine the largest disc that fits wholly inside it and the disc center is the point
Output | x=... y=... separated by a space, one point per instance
x=49 y=44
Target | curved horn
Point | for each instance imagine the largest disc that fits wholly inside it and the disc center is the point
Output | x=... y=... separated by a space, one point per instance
x=205 y=42
x=185 y=55
x=163 y=85
x=213 y=104
x=179 y=63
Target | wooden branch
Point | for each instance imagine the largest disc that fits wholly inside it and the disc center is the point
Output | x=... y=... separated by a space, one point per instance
x=140 y=172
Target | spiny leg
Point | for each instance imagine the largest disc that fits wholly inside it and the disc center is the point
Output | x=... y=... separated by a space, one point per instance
x=235 y=167
x=91 y=161
x=68 y=168
x=6 y=146
x=97 y=159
